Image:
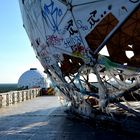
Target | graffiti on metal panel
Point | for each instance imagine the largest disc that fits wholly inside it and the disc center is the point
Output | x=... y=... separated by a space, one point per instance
x=71 y=41
x=124 y=8
x=37 y=41
x=48 y=60
x=57 y=57
x=54 y=40
x=63 y=31
x=52 y=13
x=81 y=26
x=93 y=18
x=70 y=28
x=44 y=53
x=78 y=50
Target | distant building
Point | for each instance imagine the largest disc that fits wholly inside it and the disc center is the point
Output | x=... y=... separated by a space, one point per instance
x=32 y=79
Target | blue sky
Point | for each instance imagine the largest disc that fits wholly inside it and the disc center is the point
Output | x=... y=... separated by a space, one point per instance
x=16 y=53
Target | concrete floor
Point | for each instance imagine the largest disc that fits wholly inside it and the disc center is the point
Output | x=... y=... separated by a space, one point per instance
x=44 y=119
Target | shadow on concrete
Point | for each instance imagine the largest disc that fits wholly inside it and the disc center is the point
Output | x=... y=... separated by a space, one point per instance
x=54 y=124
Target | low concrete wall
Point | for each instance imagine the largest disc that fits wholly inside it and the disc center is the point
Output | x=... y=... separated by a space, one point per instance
x=14 y=97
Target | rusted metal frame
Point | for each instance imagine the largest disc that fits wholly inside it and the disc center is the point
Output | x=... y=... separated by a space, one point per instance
x=111 y=34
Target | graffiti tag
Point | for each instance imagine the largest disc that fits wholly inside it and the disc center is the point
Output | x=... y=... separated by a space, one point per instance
x=57 y=57
x=54 y=40
x=48 y=59
x=71 y=41
x=78 y=50
x=70 y=28
x=92 y=19
x=52 y=13
x=44 y=53
x=81 y=26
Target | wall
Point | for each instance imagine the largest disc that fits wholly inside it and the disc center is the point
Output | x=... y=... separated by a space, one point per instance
x=14 y=97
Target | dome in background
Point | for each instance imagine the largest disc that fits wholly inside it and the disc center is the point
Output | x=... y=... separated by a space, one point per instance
x=32 y=78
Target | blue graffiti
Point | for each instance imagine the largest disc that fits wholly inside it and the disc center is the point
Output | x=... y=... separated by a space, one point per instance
x=53 y=13
x=71 y=41
x=81 y=26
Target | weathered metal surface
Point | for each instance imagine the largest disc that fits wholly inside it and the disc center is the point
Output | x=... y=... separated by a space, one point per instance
x=68 y=37
x=43 y=118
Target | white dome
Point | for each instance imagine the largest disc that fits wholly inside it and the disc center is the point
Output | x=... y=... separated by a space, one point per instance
x=32 y=78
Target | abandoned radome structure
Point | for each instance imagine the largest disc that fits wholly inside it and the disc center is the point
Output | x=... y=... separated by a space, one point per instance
x=68 y=37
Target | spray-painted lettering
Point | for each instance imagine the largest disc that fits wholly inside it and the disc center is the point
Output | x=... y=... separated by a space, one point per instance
x=81 y=26
x=92 y=19
x=52 y=13
x=78 y=50
x=54 y=40
x=71 y=41
x=70 y=28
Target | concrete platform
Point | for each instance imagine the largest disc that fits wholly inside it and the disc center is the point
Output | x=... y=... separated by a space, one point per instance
x=43 y=118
